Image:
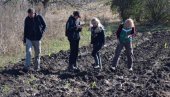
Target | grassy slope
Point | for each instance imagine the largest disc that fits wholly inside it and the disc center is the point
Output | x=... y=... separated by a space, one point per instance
x=53 y=46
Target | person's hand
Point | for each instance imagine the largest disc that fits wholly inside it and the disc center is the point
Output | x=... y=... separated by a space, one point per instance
x=79 y=26
x=104 y=45
x=129 y=36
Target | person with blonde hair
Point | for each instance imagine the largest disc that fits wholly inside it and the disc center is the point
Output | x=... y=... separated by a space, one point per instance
x=125 y=35
x=97 y=40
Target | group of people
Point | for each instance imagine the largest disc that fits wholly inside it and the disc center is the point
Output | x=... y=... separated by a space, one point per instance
x=35 y=27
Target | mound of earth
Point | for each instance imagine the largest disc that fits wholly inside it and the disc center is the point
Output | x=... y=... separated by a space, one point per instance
x=150 y=78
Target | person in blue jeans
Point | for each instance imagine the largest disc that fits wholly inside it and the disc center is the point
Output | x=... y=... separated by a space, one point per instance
x=34 y=27
x=125 y=35
x=97 y=41
x=73 y=29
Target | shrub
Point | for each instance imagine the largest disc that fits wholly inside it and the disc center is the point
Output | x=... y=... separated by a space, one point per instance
x=155 y=11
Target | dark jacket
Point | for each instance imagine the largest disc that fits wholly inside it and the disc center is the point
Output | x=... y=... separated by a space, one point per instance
x=97 y=37
x=34 y=28
x=71 y=29
x=120 y=29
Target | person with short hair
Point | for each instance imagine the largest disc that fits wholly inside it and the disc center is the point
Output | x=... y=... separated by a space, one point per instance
x=73 y=29
x=97 y=41
x=34 y=27
x=125 y=35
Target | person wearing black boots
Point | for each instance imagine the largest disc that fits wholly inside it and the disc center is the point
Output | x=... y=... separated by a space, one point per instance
x=73 y=28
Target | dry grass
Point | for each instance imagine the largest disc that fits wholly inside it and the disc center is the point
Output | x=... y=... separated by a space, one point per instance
x=11 y=28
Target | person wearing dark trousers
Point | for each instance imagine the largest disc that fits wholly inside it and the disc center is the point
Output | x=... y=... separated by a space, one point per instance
x=73 y=29
x=125 y=34
x=34 y=27
x=97 y=40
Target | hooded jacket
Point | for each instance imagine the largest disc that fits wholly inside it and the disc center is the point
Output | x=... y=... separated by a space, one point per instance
x=97 y=35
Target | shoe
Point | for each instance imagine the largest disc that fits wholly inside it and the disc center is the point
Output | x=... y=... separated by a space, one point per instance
x=37 y=68
x=97 y=67
x=113 y=68
x=131 y=69
x=73 y=68
x=25 y=70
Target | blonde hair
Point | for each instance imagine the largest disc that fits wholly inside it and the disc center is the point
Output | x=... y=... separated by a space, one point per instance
x=131 y=22
x=98 y=22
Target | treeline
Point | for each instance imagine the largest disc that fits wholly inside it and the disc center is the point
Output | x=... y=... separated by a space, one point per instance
x=151 y=11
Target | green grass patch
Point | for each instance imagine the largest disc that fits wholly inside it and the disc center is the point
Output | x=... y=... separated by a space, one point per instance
x=5 y=89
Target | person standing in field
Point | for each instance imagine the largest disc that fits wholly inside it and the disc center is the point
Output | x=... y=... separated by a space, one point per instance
x=34 y=27
x=97 y=41
x=73 y=29
x=124 y=35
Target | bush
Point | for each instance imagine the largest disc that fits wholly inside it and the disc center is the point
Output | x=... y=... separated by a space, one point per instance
x=155 y=11
x=128 y=8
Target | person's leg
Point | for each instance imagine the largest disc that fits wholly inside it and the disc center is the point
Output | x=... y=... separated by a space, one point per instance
x=71 y=53
x=129 y=54
x=100 y=61
x=94 y=54
x=76 y=50
x=28 y=54
x=98 y=54
x=117 y=54
x=37 y=50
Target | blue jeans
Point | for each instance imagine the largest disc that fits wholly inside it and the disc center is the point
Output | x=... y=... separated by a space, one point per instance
x=37 y=50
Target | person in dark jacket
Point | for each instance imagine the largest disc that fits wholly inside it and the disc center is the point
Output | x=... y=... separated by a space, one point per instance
x=73 y=29
x=97 y=40
x=34 y=27
x=125 y=35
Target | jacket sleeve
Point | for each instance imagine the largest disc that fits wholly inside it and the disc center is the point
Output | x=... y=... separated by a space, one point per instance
x=133 y=31
x=43 y=24
x=119 y=30
x=70 y=27
x=91 y=38
x=25 y=30
x=103 y=37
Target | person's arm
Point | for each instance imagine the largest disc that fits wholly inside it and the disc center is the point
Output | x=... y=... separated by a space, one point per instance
x=133 y=30
x=133 y=33
x=25 y=30
x=119 y=30
x=91 y=37
x=42 y=23
x=102 y=37
x=70 y=26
